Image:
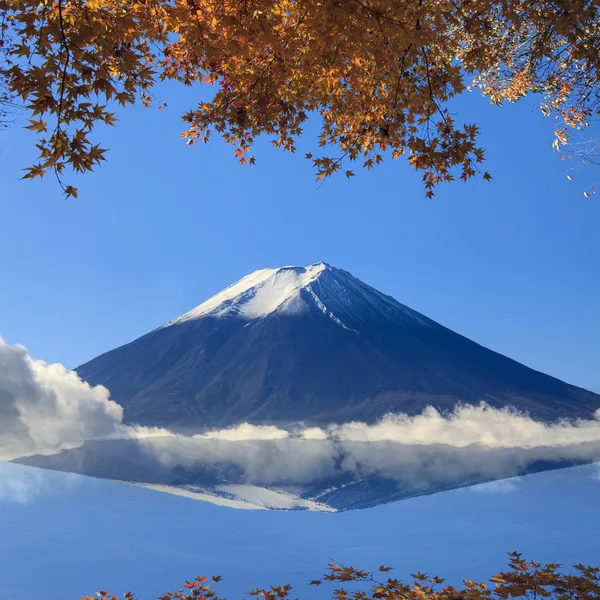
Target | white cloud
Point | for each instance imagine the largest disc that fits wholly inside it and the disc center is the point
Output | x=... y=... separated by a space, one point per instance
x=274 y=461
x=245 y=432
x=468 y=425
x=313 y=433
x=45 y=408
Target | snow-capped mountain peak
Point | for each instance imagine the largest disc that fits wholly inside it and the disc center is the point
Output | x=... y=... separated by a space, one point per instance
x=294 y=290
x=258 y=294
x=314 y=345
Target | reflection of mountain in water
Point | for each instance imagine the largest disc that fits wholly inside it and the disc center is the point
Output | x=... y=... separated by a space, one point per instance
x=304 y=474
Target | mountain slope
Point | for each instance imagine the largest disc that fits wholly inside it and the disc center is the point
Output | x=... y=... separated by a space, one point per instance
x=316 y=345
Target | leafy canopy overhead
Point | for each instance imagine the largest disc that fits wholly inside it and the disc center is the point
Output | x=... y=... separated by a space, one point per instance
x=523 y=580
x=380 y=73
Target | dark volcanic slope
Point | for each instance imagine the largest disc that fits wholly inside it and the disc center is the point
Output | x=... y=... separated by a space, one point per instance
x=314 y=344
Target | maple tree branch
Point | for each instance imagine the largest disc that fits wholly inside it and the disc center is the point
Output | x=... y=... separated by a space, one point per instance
x=400 y=76
x=431 y=95
x=65 y=45
x=59 y=114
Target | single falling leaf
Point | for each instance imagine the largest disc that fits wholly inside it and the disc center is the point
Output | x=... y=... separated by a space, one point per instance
x=71 y=191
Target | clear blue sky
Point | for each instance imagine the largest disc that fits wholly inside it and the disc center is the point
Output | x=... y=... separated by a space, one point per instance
x=513 y=264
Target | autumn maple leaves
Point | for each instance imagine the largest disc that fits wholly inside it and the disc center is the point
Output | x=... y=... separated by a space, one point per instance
x=523 y=579
x=378 y=74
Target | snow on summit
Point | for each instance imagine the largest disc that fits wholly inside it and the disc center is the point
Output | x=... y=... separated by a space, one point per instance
x=292 y=290
x=258 y=294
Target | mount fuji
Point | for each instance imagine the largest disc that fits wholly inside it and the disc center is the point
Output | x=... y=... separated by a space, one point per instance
x=318 y=346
